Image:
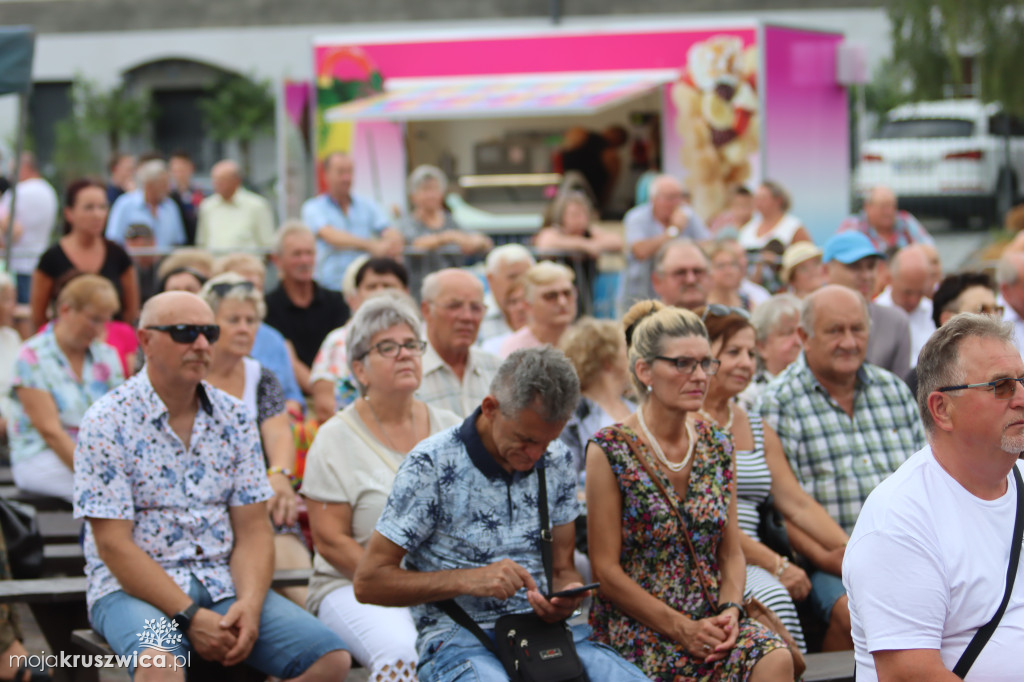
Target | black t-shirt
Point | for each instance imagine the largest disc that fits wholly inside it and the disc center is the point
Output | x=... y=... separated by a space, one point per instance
x=306 y=328
x=588 y=159
x=54 y=263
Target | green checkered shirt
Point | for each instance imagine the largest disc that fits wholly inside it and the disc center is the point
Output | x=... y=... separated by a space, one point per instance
x=839 y=459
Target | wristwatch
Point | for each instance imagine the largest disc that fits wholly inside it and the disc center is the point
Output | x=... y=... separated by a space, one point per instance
x=733 y=605
x=672 y=231
x=184 y=618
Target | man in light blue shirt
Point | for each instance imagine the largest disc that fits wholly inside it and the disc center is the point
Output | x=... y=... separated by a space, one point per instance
x=650 y=226
x=346 y=224
x=149 y=205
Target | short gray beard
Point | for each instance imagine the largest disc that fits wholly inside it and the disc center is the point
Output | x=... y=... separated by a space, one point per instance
x=1013 y=445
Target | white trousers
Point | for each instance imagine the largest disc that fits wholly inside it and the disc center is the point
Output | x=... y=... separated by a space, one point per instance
x=44 y=474
x=380 y=637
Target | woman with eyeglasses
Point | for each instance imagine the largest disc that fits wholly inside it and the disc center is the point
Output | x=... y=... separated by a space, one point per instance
x=350 y=469
x=238 y=309
x=652 y=606
x=761 y=470
x=58 y=374
x=727 y=276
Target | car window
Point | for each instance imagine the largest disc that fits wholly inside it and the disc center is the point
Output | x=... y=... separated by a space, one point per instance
x=926 y=127
x=997 y=125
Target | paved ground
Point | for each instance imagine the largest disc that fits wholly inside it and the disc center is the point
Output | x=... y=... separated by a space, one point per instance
x=958 y=246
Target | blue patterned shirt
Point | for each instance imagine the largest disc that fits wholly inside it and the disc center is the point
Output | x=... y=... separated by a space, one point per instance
x=129 y=464
x=362 y=219
x=452 y=506
x=42 y=365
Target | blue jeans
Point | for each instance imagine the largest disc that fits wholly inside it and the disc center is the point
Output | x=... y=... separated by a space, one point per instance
x=826 y=589
x=23 y=284
x=290 y=639
x=458 y=656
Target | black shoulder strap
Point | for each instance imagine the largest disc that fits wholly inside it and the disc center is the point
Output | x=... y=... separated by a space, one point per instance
x=459 y=615
x=983 y=634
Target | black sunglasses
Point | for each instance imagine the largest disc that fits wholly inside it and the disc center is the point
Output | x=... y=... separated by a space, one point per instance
x=719 y=310
x=222 y=288
x=188 y=333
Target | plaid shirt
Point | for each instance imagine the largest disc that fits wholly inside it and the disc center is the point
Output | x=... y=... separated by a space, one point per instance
x=906 y=230
x=839 y=459
x=440 y=388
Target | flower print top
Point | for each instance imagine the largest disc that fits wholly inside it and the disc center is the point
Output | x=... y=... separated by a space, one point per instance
x=42 y=365
x=129 y=464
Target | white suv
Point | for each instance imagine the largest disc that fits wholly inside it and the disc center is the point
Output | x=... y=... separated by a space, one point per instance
x=945 y=158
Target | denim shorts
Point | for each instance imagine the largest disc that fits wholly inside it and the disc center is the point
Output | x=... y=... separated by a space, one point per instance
x=290 y=639
x=826 y=589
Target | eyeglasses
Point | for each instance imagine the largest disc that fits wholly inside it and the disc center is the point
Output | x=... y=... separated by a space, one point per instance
x=391 y=349
x=685 y=365
x=697 y=273
x=188 y=333
x=994 y=310
x=1002 y=389
x=719 y=310
x=222 y=288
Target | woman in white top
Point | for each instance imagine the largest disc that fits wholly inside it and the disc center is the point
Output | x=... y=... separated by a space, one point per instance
x=772 y=220
x=350 y=469
x=239 y=309
x=10 y=341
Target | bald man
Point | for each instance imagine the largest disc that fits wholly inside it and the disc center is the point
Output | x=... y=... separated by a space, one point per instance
x=910 y=286
x=648 y=227
x=456 y=376
x=232 y=217
x=1010 y=278
x=884 y=224
x=169 y=474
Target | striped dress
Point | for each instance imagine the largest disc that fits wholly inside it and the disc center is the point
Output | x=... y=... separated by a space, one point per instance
x=753 y=484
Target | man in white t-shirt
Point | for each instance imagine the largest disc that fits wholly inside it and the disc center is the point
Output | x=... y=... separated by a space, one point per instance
x=36 y=210
x=910 y=288
x=926 y=564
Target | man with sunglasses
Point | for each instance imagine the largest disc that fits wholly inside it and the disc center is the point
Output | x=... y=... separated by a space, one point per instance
x=169 y=473
x=845 y=426
x=926 y=567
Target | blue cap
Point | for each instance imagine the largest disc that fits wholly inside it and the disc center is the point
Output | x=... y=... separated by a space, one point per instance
x=849 y=247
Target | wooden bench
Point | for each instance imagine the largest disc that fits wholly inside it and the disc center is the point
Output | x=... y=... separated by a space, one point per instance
x=835 y=666
x=59 y=526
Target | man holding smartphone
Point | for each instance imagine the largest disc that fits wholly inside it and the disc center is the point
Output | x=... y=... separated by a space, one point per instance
x=464 y=514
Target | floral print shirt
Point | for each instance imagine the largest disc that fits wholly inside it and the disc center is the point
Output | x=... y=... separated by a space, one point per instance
x=452 y=506
x=41 y=364
x=129 y=464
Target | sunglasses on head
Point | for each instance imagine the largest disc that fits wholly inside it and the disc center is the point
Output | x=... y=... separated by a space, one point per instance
x=222 y=288
x=719 y=310
x=188 y=333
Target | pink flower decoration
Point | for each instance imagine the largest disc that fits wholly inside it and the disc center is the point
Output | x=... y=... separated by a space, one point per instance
x=29 y=356
x=101 y=372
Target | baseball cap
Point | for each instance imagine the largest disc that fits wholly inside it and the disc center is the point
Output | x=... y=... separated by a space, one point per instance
x=849 y=247
x=796 y=254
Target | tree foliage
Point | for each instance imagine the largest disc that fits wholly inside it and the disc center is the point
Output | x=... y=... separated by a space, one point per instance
x=241 y=109
x=931 y=38
x=114 y=113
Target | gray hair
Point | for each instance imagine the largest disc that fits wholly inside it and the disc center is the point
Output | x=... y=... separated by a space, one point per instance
x=538 y=378
x=807 y=310
x=767 y=316
x=149 y=171
x=506 y=255
x=678 y=242
x=431 y=287
x=238 y=293
x=427 y=173
x=939 y=362
x=381 y=312
x=289 y=228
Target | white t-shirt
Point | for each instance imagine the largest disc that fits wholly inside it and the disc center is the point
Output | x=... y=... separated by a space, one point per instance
x=784 y=231
x=926 y=567
x=37 y=212
x=922 y=326
x=10 y=342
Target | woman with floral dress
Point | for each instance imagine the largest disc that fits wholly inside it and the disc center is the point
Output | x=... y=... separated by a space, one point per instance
x=652 y=607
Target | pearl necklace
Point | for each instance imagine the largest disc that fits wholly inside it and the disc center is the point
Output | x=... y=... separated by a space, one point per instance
x=672 y=466
x=728 y=423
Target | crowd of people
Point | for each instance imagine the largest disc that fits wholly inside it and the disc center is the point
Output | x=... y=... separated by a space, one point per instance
x=753 y=376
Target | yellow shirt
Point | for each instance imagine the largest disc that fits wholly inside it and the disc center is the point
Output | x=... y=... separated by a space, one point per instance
x=243 y=221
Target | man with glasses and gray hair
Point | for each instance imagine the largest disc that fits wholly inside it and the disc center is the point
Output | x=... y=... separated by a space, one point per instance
x=456 y=376
x=170 y=475
x=462 y=523
x=681 y=274
x=845 y=425
x=932 y=556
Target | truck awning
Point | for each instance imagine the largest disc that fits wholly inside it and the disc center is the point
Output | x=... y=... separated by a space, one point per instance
x=425 y=99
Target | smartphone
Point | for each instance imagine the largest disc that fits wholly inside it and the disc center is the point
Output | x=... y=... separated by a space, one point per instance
x=573 y=591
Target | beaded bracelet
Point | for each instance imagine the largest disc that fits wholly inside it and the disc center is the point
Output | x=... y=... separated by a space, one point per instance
x=281 y=470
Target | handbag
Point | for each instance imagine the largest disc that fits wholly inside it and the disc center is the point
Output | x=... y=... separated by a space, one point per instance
x=529 y=648
x=983 y=634
x=755 y=609
x=771 y=528
x=24 y=541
